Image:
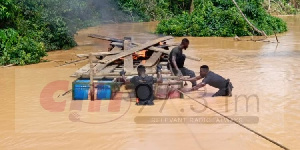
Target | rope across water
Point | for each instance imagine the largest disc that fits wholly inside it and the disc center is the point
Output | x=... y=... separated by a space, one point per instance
x=270 y=140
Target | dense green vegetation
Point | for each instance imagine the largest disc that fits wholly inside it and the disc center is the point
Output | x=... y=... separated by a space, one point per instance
x=147 y=10
x=210 y=17
x=222 y=18
x=29 y=28
x=21 y=50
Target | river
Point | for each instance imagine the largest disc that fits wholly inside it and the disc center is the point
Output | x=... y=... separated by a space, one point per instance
x=35 y=115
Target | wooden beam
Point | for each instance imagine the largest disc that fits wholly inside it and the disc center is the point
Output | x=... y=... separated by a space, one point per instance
x=109 y=69
x=98 y=66
x=109 y=39
x=104 y=38
x=116 y=50
x=153 y=59
x=92 y=89
x=160 y=49
x=128 y=61
x=98 y=54
x=169 y=51
x=84 y=69
x=135 y=49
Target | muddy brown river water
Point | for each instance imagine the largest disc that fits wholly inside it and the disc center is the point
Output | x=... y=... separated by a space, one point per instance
x=35 y=115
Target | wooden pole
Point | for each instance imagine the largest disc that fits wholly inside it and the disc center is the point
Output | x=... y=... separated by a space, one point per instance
x=92 y=89
x=128 y=61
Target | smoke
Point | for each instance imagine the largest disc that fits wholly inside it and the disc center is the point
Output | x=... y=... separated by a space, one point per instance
x=110 y=11
x=80 y=14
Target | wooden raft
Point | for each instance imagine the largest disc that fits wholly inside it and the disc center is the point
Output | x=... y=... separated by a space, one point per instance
x=105 y=68
x=116 y=60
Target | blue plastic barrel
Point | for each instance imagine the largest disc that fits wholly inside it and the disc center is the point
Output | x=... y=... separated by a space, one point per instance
x=104 y=92
x=81 y=90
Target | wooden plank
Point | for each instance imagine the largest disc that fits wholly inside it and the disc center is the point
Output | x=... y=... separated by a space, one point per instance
x=92 y=89
x=135 y=49
x=98 y=54
x=85 y=68
x=153 y=59
x=109 y=69
x=108 y=38
x=82 y=70
x=169 y=51
x=128 y=61
x=100 y=67
x=157 y=49
x=105 y=38
x=116 y=50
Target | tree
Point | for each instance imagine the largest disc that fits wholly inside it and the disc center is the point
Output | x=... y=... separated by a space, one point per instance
x=192 y=6
x=255 y=28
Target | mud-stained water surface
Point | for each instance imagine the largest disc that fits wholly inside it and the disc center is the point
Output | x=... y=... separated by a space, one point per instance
x=35 y=115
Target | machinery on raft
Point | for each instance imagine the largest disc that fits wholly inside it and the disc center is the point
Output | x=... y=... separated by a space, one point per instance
x=102 y=71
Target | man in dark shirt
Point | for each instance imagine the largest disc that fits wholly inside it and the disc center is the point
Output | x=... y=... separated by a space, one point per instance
x=145 y=80
x=177 y=59
x=214 y=80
